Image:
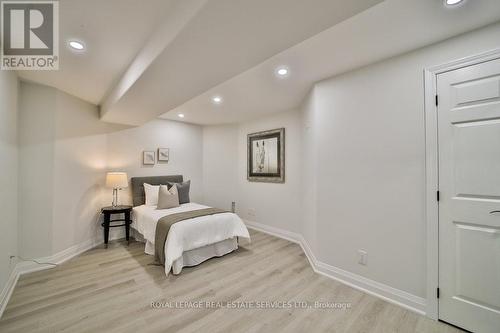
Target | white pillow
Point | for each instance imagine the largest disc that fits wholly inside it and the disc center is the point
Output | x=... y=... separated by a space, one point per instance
x=151 y=192
x=168 y=198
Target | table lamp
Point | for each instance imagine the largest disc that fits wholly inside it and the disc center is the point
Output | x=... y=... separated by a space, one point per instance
x=116 y=181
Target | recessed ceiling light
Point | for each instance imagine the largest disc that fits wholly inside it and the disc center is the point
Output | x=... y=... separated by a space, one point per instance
x=453 y=2
x=217 y=99
x=76 y=45
x=282 y=72
x=181 y=115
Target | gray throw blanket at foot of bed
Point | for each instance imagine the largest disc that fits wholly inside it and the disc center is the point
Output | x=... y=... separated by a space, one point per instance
x=164 y=224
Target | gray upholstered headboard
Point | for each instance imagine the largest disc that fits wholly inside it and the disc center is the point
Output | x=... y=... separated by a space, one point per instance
x=138 y=196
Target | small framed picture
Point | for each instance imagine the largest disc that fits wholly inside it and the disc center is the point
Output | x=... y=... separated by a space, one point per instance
x=163 y=154
x=148 y=157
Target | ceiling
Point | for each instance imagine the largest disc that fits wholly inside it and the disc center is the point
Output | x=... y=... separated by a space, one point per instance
x=385 y=30
x=221 y=39
x=153 y=58
x=113 y=32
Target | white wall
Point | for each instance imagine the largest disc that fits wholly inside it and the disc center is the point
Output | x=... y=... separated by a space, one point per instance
x=65 y=152
x=225 y=172
x=220 y=166
x=79 y=166
x=368 y=138
x=277 y=205
x=370 y=175
x=36 y=173
x=355 y=166
x=309 y=171
x=8 y=174
x=62 y=163
x=125 y=147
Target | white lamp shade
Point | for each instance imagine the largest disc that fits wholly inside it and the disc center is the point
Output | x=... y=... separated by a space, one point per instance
x=116 y=180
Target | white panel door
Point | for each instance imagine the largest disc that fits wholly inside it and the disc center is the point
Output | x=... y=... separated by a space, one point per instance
x=469 y=184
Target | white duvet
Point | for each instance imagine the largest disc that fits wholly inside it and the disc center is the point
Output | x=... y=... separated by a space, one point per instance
x=188 y=234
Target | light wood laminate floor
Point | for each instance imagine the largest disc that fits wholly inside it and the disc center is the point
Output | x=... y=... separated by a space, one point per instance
x=112 y=290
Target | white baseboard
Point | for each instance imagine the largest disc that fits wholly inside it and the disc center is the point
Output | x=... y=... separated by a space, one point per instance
x=25 y=267
x=8 y=289
x=399 y=297
x=273 y=231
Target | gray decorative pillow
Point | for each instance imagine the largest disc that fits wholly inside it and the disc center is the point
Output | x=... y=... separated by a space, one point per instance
x=167 y=198
x=183 y=189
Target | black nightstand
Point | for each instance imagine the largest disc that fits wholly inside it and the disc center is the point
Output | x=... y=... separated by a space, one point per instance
x=108 y=211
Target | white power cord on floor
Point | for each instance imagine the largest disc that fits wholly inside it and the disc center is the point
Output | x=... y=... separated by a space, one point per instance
x=33 y=260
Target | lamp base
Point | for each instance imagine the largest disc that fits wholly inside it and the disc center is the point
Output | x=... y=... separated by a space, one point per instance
x=115 y=198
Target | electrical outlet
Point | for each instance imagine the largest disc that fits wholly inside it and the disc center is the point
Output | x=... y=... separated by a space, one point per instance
x=11 y=258
x=362 y=257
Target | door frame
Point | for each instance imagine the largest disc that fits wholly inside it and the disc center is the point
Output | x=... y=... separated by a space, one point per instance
x=432 y=169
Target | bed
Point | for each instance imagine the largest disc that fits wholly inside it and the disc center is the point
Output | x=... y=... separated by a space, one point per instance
x=189 y=242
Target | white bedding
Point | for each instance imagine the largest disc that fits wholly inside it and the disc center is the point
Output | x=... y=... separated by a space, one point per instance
x=189 y=234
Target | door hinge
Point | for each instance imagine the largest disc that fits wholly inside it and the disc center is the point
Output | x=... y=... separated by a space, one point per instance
x=437 y=195
x=437 y=100
x=437 y=292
